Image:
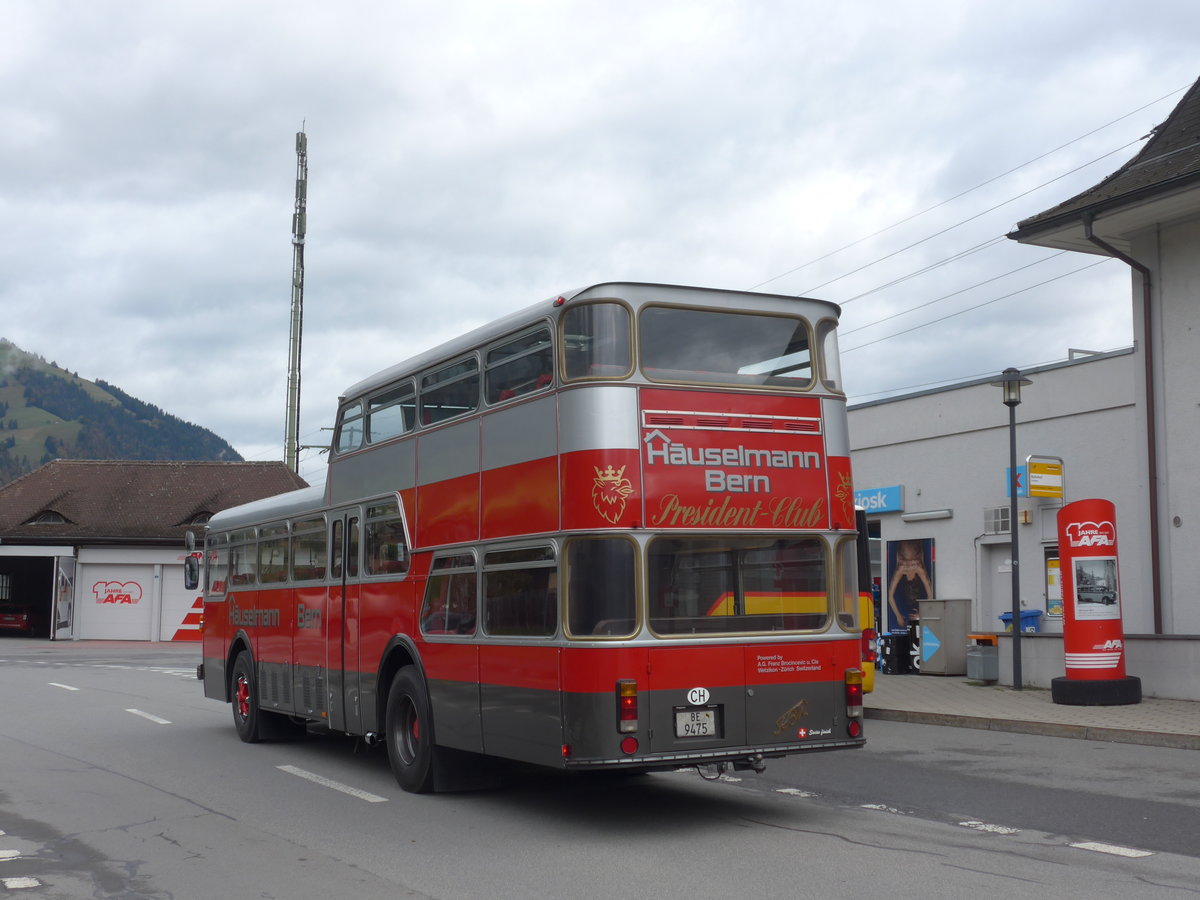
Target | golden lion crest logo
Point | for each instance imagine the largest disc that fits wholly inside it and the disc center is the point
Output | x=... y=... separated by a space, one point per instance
x=609 y=491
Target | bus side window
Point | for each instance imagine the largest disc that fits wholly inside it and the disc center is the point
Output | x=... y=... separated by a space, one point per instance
x=350 y=429
x=601 y=597
x=519 y=367
x=520 y=590
x=309 y=543
x=451 y=391
x=596 y=341
x=392 y=413
x=387 y=549
x=450 y=600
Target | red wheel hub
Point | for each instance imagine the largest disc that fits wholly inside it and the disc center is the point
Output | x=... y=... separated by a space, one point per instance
x=241 y=696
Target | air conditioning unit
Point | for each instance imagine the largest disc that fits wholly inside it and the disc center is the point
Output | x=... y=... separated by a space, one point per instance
x=997 y=520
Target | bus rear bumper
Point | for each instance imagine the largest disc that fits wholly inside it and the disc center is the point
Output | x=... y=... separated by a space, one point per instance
x=676 y=760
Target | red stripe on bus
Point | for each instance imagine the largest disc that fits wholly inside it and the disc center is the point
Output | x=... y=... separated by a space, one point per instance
x=521 y=498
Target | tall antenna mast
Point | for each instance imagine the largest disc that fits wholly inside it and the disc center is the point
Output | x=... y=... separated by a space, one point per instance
x=291 y=447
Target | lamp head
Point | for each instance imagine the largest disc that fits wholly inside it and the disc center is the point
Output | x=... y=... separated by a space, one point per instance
x=1010 y=383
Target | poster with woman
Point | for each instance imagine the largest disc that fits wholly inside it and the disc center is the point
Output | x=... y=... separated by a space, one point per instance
x=910 y=579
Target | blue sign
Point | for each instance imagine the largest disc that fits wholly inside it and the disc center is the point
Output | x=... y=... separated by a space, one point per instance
x=929 y=643
x=1022 y=481
x=881 y=500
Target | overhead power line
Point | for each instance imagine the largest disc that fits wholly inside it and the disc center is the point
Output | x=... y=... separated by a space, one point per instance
x=982 y=184
x=960 y=312
x=966 y=220
x=972 y=287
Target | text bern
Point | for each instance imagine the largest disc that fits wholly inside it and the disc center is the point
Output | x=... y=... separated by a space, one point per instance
x=719 y=481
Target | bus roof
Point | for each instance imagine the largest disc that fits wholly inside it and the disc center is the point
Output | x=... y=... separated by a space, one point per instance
x=633 y=292
x=280 y=506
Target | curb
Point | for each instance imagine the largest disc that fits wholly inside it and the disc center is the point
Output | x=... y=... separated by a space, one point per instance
x=1048 y=729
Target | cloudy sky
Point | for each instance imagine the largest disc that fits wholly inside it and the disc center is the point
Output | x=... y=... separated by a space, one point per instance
x=470 y=158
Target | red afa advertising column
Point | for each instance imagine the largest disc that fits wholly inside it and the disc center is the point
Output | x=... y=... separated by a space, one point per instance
x=1093 y=634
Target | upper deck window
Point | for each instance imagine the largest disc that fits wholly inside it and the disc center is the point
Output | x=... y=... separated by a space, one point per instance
x=350 y=429
x=391 y=413
x=450 y=391
x=711 y=346
x=519 y=366
x=831 y=364
x=596 y=341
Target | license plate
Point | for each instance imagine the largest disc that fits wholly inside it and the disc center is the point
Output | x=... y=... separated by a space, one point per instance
x=695 y=723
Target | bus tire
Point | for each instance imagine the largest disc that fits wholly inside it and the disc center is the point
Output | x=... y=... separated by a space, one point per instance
x=409 y=726
x=244 y=694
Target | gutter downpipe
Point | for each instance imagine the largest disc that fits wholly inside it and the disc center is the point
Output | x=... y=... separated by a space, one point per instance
x=1151 y=435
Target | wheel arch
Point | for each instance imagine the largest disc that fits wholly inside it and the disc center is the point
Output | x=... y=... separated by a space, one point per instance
x=400 y=651
x=240 y=643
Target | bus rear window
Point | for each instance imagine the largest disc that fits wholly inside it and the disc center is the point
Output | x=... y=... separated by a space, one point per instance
x=729 y=585
x=709 y=346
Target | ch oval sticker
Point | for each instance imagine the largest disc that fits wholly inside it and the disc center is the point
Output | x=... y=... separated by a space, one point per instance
x=697 y=696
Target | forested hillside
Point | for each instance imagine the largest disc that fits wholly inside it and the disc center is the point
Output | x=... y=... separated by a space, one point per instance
x=47 y=412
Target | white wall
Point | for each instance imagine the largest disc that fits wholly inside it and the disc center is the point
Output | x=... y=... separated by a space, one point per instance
x=949 y=449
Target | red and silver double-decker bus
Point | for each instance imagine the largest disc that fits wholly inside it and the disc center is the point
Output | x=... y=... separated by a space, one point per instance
x=614 y=530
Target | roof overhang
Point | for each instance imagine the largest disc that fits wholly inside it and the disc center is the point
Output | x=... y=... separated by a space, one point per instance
x=1117 y=220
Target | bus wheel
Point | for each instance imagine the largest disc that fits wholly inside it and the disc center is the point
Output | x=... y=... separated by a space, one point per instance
x=245 y=699
x=409 y=727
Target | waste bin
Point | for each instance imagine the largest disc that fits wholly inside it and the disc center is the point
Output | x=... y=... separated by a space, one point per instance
x=983 y=657
x=896 y=649
x=1031 y=620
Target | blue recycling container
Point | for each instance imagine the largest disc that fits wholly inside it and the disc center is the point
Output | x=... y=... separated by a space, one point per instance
x=1031 y=620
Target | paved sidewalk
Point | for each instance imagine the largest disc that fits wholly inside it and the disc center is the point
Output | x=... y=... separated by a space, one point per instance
x=953 y=700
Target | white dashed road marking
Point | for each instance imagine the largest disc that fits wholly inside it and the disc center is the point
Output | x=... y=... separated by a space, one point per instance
x=1111 y=849
x=15 y=884
x=151 y=717
x=336 y=785
x=65 y=687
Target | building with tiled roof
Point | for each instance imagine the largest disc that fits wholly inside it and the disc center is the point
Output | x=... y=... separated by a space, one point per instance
x=95 y=548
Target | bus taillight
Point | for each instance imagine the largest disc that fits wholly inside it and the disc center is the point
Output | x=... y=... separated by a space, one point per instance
x=627 y=706
x=869 y=636
x=854 y=694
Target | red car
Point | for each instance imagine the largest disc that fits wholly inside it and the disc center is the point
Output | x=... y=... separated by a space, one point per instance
x=16 y=617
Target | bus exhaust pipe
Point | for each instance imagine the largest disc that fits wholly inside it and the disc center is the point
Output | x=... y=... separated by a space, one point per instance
x=371 y=738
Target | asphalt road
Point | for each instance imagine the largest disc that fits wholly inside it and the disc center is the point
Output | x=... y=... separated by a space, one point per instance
x=118 y=779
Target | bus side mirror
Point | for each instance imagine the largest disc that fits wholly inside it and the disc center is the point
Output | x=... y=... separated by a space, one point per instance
x=191 y=573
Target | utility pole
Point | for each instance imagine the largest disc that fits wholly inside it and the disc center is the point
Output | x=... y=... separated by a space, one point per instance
x=291 y=447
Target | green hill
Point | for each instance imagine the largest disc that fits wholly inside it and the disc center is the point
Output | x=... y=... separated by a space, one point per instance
x=49 y=413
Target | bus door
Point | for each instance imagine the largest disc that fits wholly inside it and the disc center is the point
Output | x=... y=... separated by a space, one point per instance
x=342 y=629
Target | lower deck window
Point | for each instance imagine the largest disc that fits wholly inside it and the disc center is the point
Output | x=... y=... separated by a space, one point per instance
x=728 y=585
x=601 y=598
x=520 y=592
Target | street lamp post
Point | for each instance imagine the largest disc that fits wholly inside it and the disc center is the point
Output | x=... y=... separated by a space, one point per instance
x=1010 y=384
